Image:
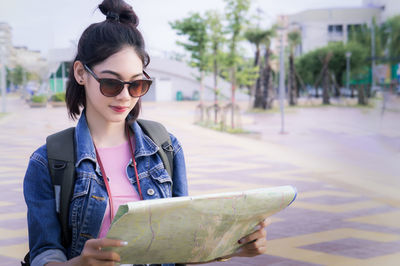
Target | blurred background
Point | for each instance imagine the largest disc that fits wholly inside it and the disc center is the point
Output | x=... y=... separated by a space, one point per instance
x=304 y=93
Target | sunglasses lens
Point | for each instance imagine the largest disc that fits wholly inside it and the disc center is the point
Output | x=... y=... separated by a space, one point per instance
x=139 y=88
x=111 y=87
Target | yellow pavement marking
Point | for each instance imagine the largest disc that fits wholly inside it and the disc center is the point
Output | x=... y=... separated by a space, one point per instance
x=337 y=208
x=8 y=233
x=391 y=259
x=285 y=175
x=15 y=251
x=13 y=181
x=18 y=189
x=13 y=215
x=318 y=193
x=6 y=203
x=226 y=167
x=227 y=183
x=289 y=247
x=390 y=219
x=9 y=169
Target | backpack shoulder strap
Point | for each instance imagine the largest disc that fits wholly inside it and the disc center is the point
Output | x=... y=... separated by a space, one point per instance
x=61 y=157
x=159 y=134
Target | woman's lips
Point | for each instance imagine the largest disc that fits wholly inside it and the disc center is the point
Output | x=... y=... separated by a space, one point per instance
x=119 y=109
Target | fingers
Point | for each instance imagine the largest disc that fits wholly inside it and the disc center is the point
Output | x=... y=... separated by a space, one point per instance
x=260 y=232
x=255 y=243
x=254 y=248
x=107 y=242
x=94 y=250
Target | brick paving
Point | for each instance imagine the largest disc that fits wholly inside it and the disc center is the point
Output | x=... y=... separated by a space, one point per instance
x=337 y=219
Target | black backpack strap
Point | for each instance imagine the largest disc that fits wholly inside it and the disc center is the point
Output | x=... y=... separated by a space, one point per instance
x=160 y=136
x=61 y=157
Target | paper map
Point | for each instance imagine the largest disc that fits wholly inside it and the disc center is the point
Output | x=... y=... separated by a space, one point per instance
x=193 y=229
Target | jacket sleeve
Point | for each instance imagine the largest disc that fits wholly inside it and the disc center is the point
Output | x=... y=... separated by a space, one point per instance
x=43 y=225
x=179 y=179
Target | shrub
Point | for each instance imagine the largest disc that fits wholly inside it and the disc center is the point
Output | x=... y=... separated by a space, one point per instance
x=39 y=98
x=58 y=97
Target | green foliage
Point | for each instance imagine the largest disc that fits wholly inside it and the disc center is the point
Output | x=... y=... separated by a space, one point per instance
x=236 y=15
x=17 y=75
x=392 y=28
x=39 y=98
x=195 y=28
x=257 y=36
x=294 y=38
x=58 y=97
x=362 y=35
x=216 y=39
x=309 y=65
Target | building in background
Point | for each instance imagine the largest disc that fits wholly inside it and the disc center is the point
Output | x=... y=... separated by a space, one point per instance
x=12 y=56
x=6 y=41
x=172 y=80
x=319 y=27
x=389 y=8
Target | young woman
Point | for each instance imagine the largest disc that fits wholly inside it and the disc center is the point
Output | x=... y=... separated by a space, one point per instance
x=106 y=81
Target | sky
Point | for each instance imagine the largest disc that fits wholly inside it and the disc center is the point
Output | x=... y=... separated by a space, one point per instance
x=48 y=24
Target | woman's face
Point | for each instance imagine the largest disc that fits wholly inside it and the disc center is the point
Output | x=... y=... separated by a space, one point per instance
x=124 y=65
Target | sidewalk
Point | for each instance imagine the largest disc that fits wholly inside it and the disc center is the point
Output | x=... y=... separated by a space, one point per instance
x=341 y=216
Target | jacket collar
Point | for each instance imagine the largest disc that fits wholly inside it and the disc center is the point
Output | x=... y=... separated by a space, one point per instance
x=85 y=147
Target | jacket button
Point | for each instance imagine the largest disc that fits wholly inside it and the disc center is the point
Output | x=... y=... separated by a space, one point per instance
x=150 y=192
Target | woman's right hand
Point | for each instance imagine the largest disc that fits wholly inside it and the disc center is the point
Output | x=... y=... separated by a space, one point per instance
x=93 y=253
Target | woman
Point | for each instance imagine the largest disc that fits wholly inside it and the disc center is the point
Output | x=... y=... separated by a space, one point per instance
x=115 y=161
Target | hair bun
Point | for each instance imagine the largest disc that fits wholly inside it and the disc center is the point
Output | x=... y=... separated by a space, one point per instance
x=118 y=10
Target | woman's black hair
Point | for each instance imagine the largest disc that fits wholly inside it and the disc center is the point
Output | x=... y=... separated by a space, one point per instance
x=101 y=40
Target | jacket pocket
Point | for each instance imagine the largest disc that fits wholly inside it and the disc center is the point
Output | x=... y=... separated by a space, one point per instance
x=162 y=181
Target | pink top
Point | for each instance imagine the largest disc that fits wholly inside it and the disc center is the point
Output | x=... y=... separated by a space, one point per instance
x=115 y=161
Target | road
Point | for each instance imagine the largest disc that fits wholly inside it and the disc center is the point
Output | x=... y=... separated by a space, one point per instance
x=342 y=161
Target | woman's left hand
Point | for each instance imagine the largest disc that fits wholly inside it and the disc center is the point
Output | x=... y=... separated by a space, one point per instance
x=255 y=243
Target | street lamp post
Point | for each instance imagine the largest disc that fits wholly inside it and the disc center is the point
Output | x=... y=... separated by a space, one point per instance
x=348 y=55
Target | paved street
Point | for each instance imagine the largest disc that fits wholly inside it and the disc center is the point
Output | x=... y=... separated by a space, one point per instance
x=342 y=161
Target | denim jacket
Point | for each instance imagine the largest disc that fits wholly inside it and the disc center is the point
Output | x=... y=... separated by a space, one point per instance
x=90 y=199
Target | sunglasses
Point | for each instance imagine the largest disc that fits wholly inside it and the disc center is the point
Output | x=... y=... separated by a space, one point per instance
x=112 y=87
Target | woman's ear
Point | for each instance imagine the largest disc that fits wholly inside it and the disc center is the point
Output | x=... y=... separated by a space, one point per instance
x=79 y=73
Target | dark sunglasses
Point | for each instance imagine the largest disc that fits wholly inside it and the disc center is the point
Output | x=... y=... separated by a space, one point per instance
x=112 y=87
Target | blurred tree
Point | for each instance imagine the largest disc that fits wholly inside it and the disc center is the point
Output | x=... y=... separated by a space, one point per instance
x=236 y=15
x=294 y=38
x=194 y=28
x=257 y=37
x=392 y=29
x=217 y=40
x=310 y=64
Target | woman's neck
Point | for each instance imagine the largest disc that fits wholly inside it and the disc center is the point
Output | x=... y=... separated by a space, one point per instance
x=107 y=134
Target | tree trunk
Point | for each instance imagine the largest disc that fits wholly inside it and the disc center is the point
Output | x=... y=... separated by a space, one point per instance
x=326 y=85
x=201 y=104
x=233 y=100
x=362 y=100
x=266 y=77
x=292 y=82
x=257 y=85
x=324 y=75
x=215 y=89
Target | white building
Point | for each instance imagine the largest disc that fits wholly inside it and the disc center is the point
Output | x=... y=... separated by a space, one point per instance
x=389 y=8
x=172 y=80
x=321 y=26
x=20 y=55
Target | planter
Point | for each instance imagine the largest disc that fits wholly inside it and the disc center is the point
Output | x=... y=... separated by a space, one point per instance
x=58 y=104
x=37 y=105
